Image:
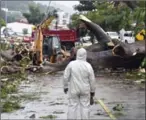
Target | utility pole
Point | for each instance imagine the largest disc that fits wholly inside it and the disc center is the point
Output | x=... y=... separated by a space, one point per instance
x=6 y=12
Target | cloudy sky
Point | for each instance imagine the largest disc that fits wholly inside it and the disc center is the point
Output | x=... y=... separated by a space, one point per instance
x=65 y=5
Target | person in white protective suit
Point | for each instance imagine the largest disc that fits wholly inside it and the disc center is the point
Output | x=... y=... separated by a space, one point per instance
x=79 y=82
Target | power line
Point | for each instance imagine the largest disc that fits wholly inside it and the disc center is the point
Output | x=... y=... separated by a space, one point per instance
x=46 y=15
x=48 y=8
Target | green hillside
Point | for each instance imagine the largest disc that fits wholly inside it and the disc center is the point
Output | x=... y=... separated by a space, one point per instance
x=22 y=6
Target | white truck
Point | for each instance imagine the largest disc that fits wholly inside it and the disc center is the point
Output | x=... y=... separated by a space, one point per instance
x=127 y=36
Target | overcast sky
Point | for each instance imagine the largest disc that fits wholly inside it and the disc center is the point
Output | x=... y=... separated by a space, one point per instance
x=65 y=5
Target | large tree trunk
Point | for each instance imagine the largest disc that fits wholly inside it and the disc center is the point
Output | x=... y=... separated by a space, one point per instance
x=106 y=59
x=34 y=69
x=109 y=59
x=98 y=59
x=126 y=50
x=96 y=47
x=97 y=31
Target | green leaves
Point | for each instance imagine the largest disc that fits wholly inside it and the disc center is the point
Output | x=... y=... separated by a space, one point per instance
x=75 y=21
x=9 y=106
x=34 y=16
x=115 y=17
x=118 y=107
x=143 y=64
x=2 y=22
x=85 y=6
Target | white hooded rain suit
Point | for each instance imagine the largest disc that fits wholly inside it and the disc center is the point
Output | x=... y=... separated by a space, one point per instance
x=80 y=80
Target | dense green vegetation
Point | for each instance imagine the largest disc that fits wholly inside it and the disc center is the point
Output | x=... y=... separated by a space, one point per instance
x=9 y=85
x=34 y=16
x=112 y=15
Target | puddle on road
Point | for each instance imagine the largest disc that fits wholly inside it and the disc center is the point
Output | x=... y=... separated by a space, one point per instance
x=49 y=101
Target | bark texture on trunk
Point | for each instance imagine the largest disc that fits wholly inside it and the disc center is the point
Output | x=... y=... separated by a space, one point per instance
x=127 y=50
x=100 y=34
x=96 y=47
x=106 y=59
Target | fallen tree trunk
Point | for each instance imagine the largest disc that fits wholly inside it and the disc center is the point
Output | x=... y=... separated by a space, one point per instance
x=97 y=31
x=96 y=47
x=34 y=69
x=10 y=69
x=7 y=55
x=62 y=64
x=126 y=50
x=101 y=47
x=106 y=59
x=43 y=69
x=98 y=60
x=110 y=58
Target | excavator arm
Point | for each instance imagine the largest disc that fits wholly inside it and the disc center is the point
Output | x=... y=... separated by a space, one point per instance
x=38 y=42
x=47 y=22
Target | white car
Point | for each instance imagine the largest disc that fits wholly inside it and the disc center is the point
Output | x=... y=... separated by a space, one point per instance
x=113 y=35
x=86 y=38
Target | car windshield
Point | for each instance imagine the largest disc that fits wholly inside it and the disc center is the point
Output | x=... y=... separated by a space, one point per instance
x=128 y=34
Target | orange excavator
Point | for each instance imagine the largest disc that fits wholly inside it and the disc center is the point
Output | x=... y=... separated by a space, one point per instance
x=38 y=41
x=47 y=44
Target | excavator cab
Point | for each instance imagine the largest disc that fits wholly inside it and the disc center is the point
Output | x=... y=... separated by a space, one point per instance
x=51 y=48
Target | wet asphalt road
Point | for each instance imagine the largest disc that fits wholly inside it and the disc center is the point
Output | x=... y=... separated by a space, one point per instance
x=52 y=101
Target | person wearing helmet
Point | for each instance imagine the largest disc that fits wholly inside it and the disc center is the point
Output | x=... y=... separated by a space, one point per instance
x=79 y=82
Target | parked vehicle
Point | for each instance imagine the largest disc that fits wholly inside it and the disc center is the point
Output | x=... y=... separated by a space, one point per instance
x=113 y=35
x=51 y=46
x=67 y=37
x=2 y=35
x=86 y=38
x=8 y=32
x=127 y=37
x=48 y=42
